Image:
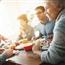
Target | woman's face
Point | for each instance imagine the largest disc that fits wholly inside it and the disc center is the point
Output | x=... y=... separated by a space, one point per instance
x=23 y=22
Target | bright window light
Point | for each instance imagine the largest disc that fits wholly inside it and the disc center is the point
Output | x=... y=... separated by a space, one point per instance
x=10 y=10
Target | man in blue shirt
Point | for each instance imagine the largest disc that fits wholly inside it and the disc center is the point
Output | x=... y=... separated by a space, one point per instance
x=56 y=52
x=45 y=27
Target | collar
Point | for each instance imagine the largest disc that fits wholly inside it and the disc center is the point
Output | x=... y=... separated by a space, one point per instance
x=61 y=13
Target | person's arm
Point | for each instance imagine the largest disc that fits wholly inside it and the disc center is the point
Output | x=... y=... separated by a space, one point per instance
x=6 y=54
x=3 y=57
x=56 y=51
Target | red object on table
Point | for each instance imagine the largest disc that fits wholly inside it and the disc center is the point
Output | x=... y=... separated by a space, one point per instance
x=28 y=48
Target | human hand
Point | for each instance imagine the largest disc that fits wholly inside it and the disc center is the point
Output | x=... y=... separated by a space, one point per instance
x=12 y=46
x=1 y=50
x=36 y=50
x=8 y=53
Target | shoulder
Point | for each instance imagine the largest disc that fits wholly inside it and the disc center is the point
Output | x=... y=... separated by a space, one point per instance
x=51 y=23
x=38 y=26
x=60 y=24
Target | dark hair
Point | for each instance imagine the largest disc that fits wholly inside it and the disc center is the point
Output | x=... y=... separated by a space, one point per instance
x=40 y=7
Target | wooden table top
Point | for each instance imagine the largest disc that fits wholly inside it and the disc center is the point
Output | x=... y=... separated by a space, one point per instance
x=24 y=58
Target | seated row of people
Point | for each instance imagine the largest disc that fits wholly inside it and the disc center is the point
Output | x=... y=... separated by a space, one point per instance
x=45 y=28
x=55 y=9
x=55 y=55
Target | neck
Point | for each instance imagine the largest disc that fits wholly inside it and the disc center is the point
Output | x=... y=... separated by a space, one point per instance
x=44 y=21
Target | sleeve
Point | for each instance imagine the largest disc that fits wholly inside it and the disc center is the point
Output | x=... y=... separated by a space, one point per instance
x=2 y=57
x=56 y=51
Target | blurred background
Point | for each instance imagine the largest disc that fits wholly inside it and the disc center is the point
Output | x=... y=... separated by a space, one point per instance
x=10 y=10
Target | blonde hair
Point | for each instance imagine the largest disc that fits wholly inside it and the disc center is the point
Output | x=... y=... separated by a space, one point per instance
x=23 y=17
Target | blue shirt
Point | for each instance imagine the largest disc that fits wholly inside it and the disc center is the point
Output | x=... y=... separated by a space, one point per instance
x=45 y=29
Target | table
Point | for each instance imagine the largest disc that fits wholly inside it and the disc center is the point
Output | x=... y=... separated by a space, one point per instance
x=23 y=59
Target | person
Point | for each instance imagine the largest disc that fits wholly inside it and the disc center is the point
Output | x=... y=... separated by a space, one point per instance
x=26 y=31
x=6 y=53
x=45 y=27
x=55 y=54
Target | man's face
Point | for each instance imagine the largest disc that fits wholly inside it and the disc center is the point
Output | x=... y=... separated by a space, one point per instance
x=51 y=10
x=40 y=14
